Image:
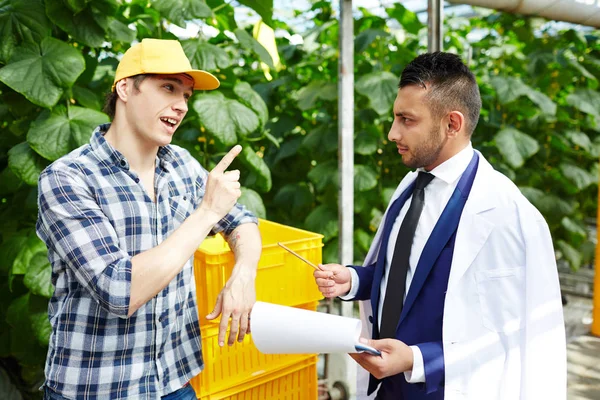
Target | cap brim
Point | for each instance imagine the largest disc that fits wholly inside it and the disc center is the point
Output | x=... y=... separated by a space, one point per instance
x=203 y=80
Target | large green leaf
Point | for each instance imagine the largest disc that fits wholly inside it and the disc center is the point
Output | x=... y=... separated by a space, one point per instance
x=38 y=318
x=366 y=37
x=324 y=174
x=381 y=88
x=544 y=102
x=407 y=18
x=32 y=247
x=585 y=100
x=249 y=43
x=21 y=21
x=324 y=221
x=37 y=277
x=509 y=88
x=86 y=97
x=41 y=72
x=365 y=143
x=308 y=95
x=581 y=139
x=548 y=204
x=206 y=56
x=23 y=344
x=258 y=166
x=570 y=254
x=56 y=133
x=120 y=32
x=253 y=202
x=88 y=26
x=365 y=178
x=579 y=176
x=264 y=8
x=294 y=197
x=515 y=146
x=575 y=227
x=180 y=11
x=26 y=163
x=225 y=118
x=253 y=100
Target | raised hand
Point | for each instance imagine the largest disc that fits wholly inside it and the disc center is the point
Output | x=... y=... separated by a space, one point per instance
x=222 y=186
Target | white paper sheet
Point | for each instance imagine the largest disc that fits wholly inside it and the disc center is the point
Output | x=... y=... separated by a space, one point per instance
x=278 y=329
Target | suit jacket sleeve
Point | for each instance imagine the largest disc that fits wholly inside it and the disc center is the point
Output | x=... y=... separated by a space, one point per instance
x=365 y=281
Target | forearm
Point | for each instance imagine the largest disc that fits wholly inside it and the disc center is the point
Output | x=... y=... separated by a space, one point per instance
x=246 y=244
x=152 y=270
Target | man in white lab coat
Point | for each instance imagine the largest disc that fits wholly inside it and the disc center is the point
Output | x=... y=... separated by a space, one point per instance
x=460 y=284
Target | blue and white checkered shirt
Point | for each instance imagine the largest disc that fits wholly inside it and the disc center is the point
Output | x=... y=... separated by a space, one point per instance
x=94 y=216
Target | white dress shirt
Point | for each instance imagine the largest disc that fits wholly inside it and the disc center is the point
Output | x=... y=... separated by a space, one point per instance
x=437 y=194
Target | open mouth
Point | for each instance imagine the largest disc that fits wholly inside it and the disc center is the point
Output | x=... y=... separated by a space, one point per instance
x=170 y=122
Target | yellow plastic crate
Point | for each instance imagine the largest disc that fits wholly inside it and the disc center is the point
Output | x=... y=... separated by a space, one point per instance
x=295 y=382
x=281 y=278
x=230 y=366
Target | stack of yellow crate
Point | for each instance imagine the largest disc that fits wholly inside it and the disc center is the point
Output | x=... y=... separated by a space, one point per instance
x=240 y=371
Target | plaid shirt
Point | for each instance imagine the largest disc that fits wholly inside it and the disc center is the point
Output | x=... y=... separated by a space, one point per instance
x=94 y=216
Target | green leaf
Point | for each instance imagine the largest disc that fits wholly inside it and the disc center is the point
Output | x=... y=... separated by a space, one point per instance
x=41 y=326
x=205 y=56
x=31 y=248
x=365 y=144
x=381 y=88
x=585 y=100
x=547 y=203
x=570 y=254
x=23 y=344
x=249 y=43
x=308 y=95
x=509 y=88
x=515 y=146
x=579 y=176
x=407 y=18
x=21 y=21
x=76 y=5
x=288 y=149
x=257 y=165
x=324 y=221
x=580 y=139
x=362 y=239
x=225 y=118
x=120 y=32
x=364 y=178
x=41 y=72
x=294 y=197
x=9 y=183
x=10 y=249
x=253 y=100
x=180 y=11
x=56 y=133
x=86 y=97
x=253 y=202
x=574 y=227
x=365 y=38
x=324 y=174
x=547 y=106
x=37 y=277
x=88 y=26
x=264 y=8
x=26 y=163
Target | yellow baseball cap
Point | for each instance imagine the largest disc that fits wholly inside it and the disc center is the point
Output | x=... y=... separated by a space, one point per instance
x=156 y=56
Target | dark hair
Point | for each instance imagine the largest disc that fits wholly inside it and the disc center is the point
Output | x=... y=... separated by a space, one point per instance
x=110 y=103
x=452 y=85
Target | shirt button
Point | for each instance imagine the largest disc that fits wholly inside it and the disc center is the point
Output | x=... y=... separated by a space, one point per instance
x=137 y=180
x=123 y=163
x=184 y=197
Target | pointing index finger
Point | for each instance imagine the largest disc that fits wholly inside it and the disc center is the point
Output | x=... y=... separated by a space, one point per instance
x=228 y=159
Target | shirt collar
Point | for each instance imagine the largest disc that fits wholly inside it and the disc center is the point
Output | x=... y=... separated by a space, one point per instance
x=105 y=151
x=450 y=170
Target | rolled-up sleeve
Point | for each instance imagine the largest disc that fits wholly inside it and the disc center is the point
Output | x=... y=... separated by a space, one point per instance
x=72 y=225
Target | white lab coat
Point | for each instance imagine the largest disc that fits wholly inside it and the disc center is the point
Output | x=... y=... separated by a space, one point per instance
x=503 y=333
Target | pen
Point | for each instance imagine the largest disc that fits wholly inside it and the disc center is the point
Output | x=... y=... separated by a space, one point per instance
x=299 y=256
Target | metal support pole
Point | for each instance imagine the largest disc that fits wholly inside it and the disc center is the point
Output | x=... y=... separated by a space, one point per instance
x=435 y=18
x=343 y=368
x=596 y=310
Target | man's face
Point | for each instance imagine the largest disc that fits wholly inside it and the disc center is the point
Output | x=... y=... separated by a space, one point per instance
x=156 y=110
x=417 y=135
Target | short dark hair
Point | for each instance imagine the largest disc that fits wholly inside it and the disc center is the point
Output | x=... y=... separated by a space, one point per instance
x=452 y=85
x=110 y=103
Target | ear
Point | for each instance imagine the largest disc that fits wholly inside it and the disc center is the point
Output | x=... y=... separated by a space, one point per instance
x=122 y=88
x=455 y=123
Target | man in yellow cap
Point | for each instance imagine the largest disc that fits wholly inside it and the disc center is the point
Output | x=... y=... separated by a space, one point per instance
x=122 y=217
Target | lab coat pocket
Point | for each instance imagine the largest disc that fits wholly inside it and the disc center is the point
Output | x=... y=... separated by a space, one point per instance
x=501 y=296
